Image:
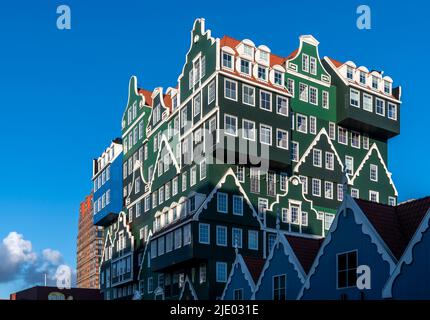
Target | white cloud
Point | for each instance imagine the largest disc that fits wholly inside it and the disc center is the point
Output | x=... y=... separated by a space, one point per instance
x=20 y=262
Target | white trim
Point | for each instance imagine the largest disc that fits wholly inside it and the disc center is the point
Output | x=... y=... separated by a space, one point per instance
x=244 y=268
x=193 y=292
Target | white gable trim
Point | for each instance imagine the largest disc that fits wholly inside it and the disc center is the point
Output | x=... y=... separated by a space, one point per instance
x=407 y=257
x=244 y=268
x=322 y=132
x=292 y=258
x=144 y=254
x=217 y=187
x=367 y=228
x=374 y=147
x=193 y=292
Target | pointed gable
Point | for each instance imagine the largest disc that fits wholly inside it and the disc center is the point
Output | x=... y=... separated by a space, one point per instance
x=255 y=265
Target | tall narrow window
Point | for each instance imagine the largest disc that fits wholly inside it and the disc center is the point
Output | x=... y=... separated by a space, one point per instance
x=347 y=269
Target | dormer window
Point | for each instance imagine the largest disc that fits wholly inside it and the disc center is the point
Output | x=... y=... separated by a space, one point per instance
x=227 y=60
x=262 y=73
x=247 y=50
x=278 y=77
x=349 y=72
x=245 y=66
x=362 y=77
x=387 y=87
x=264 y=56
x=375 y=83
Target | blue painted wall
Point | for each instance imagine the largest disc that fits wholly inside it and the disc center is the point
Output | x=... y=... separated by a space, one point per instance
x=347 y=237
x=414 y=280
x=115 y=186
x=279 y=265
x=238 y=281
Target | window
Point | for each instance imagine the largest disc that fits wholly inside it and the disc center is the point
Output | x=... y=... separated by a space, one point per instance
x=342 y=135
x=347 y=269
x=240 y=173
x=391 y=201
x=368 y=102
x=193 y=176
x=305 y=63
x=339 y=192
x=349 y=165
x=380 y=107
x=175 y=186
x=230 y=125
x=271 y=184
x=355 y=193
x=355 y=139
x=313 y=66
x=366 y=142
x=237 y=205
x=284 y=215
x=374 y=172
x=392 y=111
x=280 y=287
x=294 y=214
x=178 y=238
x=248 y=132
x=253 y=240
x=255 y=180
x=278 y=78
x=329 y=161
x=211 y=92
x=283 y=178
x=328 y=190
x=197 y=104
x=290 y=86
x=362 y=77
x=150 y=285
x=184 y=181
x=227 y=60
x=302 y=123
x=160 y=246
x=230 y=89
x=325 y=100
x=354 y=98
x=317 y=161
x=349 y=72
x=221 y=272
x=262 y=73
x=313 y=125
x=387 y=87
x=373 y=196
x=332 y=130
x=221 y=236
x=303 y=92
x=294 y=151
x=328 y=220
x=184 y=118
x=282 y=105
x=313 y=95
x=222 y=202
x=202 y=273
x=248 y=95
x=281 y=139
x=203 y=170
x=304 y=221
x=204 y=232
x=304 y=182
x=236 y=235
x=316 y=187
x=265 y=134
x=245 y=66
x=375 y=83
x=265 y=100
x=238 y=294
x=137 y=185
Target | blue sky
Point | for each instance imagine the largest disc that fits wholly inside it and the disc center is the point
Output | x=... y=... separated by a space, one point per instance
x=62 y=93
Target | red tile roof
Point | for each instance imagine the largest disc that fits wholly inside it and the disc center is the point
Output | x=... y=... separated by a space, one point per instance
x=168 y=101
x=305 y=249
x=395 y=225
x=255 y=266
x=148 y=96
x=292 y=54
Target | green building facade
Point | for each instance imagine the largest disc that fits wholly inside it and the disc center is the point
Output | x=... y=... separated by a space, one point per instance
x=245 y=138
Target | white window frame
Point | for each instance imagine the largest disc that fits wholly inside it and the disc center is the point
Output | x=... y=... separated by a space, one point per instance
x=277 y=140
x=261 y=133
x=219 y=196
x=225 y=89
x=243 y=95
